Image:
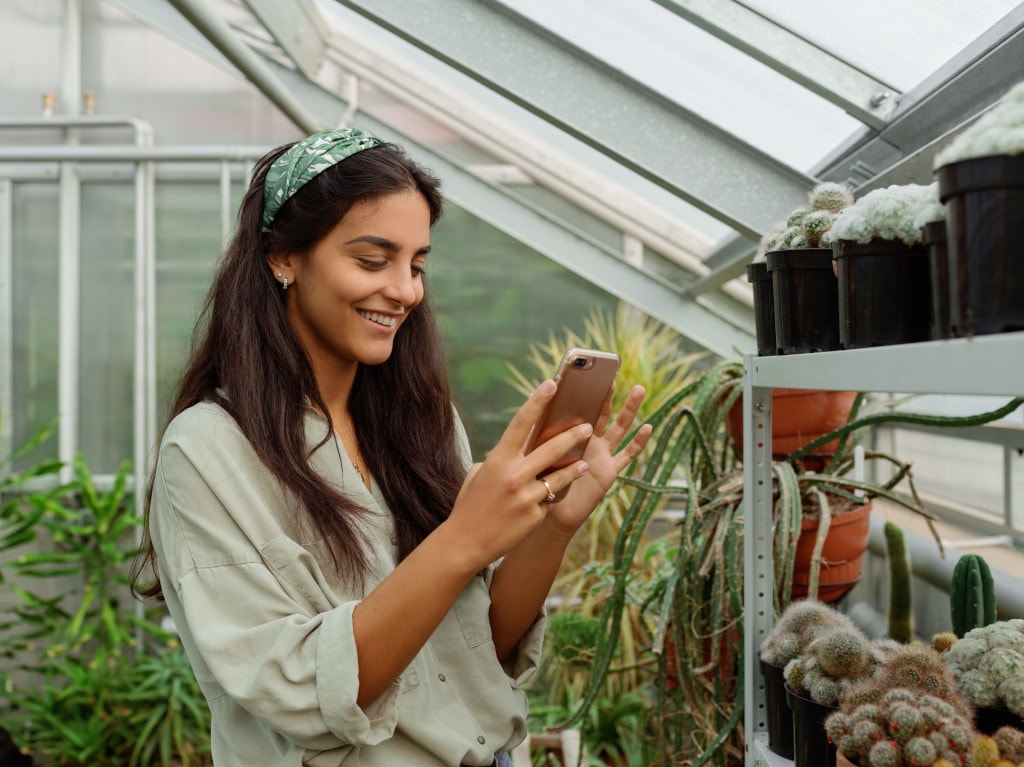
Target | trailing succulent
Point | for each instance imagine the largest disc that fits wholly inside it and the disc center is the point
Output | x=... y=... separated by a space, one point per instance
x=808 y=226
x=988 y=665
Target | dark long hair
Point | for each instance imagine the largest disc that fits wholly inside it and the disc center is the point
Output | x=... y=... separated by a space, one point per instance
x=245 y=347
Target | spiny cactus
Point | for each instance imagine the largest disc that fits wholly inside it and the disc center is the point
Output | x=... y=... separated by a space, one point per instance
x=832 y=663
x=943 y=641
x=901 y=614
x=919 y=667
x=1011 y=743
x=903 y=729
x=808 y=225
x=798 y=625
x=988 y=665
x=972 y=594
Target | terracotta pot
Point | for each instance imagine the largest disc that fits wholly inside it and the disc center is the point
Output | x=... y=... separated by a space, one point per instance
x=799 y=416
x=842 y=761
x=841 y=556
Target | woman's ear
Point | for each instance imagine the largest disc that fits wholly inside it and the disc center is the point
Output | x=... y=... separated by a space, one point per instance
x=281 y=268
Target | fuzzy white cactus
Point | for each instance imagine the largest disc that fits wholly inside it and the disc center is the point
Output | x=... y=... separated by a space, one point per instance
x=998 y=131
x=808 y=225
x=886 y=214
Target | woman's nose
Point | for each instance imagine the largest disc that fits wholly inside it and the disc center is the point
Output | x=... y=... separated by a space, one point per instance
x=404 y=288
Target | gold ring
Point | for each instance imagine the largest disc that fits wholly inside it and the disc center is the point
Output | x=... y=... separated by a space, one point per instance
x=551 y=496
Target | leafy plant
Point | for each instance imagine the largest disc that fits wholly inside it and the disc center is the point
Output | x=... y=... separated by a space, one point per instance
x=88 y=680
x=694 y=605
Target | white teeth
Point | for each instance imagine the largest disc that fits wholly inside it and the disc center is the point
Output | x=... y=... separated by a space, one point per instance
x=380 y=319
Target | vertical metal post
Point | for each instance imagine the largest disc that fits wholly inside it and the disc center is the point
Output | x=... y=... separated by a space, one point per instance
x=225 y=203
x=758 y=570
x=69 y=265
x=6 y=321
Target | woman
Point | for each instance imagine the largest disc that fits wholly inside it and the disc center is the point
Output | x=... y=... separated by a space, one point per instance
x=322 y=544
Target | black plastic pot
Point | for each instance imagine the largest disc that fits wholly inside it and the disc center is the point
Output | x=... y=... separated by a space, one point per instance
x=764 y=307
x=811 y=747
x=987 y=720
x=933 y=237
x=780 y=716
x=805 y=292
x=984 y=199
x=885 y=293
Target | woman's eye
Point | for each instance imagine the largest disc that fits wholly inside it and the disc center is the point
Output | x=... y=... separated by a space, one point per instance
x=419 y=270
x=371 y=264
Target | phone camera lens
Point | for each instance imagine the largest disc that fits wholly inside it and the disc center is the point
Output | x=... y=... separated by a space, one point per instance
x=579 y=362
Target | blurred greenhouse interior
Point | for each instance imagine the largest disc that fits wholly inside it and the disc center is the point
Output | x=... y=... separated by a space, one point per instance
x=592 y=151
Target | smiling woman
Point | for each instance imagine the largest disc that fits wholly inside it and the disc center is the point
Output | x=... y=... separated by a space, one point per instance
x=323 y=544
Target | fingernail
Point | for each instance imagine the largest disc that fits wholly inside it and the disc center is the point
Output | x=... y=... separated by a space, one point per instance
x=583 y=466
x=547 y=387
x=586 y=429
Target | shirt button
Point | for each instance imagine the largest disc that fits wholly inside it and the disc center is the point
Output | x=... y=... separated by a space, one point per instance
x=394 y=540
x=481 y=739
x=442 y=677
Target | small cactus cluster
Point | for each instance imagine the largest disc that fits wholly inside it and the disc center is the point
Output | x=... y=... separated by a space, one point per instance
x=988 y=665
x=800 y=623
x=885 y=214
x=809 y=226
x=1003 y=749
x=832 y=662
x=903 y=728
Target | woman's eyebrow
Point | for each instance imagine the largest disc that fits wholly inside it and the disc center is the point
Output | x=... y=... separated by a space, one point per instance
x=383 y=242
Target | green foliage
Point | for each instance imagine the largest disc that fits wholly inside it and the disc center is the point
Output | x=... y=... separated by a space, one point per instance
x=78 y=685
x=972 y=594
x=901 y=615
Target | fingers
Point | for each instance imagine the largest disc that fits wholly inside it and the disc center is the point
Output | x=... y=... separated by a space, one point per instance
x=626 y=417
x=518 y=429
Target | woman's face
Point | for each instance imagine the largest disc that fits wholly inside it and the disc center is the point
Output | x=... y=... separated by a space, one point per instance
x=350 y=295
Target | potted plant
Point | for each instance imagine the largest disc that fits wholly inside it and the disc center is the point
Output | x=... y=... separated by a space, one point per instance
x=988 y=666
x=798 y=262
x=882 y=267
x=930 y=218
x=981 y=180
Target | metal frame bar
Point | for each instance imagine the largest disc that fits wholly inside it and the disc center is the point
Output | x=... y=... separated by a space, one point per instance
x=600 y=106
x=867 y=99
x=6 y=322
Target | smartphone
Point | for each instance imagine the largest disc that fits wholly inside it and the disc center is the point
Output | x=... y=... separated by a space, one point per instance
x=584 y=378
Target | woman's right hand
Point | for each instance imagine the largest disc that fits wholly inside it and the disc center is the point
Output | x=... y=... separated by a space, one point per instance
x=502 y=501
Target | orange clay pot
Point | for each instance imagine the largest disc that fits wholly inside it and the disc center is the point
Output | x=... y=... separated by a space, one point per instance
x=799 y=416
x=842 y=761
x=841 y=556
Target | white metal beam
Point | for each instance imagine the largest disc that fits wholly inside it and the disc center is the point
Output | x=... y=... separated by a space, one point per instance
x=601 y=106
x=298 y=28
x=867 y=99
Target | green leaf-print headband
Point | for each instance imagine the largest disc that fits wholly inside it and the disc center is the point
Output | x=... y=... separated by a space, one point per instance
x=307 y=158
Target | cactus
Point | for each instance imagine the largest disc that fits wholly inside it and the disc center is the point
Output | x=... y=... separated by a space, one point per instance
x=903 y=729
x=901 y=615
x=830 y=196
x=1011 y=743
x=919 y=667
x=799 y=624
x=972 y=594
x=809 y=226
x=988 y=667
x=943 y=641
x=831 y=663
x=984 y=752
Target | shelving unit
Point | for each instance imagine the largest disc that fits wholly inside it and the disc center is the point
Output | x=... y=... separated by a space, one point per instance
x=984 y=365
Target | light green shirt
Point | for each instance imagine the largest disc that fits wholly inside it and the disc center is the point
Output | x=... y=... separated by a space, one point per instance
x=268 y=625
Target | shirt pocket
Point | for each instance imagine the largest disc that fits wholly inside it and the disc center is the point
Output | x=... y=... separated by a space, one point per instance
x=296 y=567
x=472 y=609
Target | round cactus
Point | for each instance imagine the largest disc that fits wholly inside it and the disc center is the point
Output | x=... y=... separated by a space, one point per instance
x=796 y=218
x=978 y=688
x=943 y=641
x=1012 y=693
x=984 y=752
x=919 y=752
x=906 y=722
x=842 y=653
x=1011 y=743
x=830 y=196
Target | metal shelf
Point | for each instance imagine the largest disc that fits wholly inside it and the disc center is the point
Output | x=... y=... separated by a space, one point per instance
x=984 y=365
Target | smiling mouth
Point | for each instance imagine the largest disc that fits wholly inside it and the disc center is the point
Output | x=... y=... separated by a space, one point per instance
x=387 y=320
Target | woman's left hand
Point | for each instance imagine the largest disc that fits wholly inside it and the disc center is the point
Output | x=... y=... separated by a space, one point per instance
x=604 y=463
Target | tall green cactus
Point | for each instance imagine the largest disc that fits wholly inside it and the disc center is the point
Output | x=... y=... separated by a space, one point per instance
x=901 y=613
x=972 y=594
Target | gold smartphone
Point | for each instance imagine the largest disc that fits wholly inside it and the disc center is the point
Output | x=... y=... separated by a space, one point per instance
x=584 y=378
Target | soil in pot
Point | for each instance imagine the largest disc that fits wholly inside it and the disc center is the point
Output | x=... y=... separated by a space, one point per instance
x=764 y=307
x=984 y=197
x=885 y=293
x=805 y=293
x=933 y=237
x=811 y=746
x=841 y=556
x=780 y=716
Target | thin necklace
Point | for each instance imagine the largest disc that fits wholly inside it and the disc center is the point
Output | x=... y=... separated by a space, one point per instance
x=350 y=430
x=356 y=467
